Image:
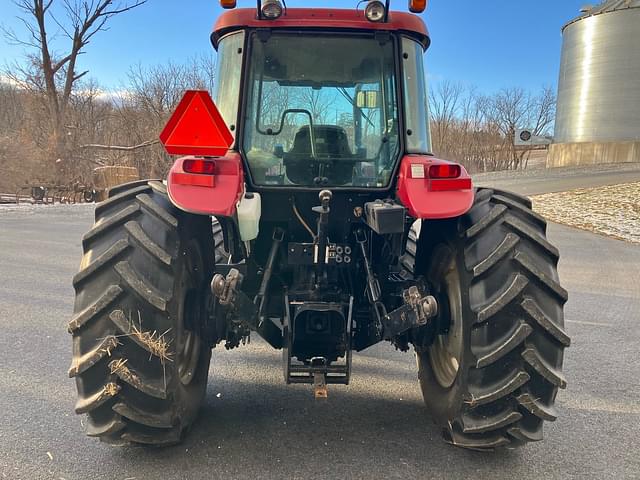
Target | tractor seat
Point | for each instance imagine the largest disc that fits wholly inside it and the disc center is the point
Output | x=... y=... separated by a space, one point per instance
x=331 y=144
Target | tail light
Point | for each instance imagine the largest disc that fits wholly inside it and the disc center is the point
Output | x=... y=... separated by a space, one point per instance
x=199 y=166
x=196 y=172
x=447 y=176
x=445 y=170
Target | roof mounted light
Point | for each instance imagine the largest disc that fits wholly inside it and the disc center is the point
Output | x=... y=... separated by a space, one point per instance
x=417 y=6
x=271 y=9
x=375 y=11
x=228 y=4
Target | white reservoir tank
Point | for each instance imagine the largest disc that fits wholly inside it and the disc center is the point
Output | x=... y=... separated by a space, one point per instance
x=249 y=212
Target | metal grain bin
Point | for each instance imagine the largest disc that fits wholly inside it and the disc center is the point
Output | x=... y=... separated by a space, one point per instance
x=598 y=111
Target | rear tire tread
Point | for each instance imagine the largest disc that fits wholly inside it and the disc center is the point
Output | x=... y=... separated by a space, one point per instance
x=122 y=383
x=481 y=442
x=161 y=214
x=102 y=228
x=137 y=380
x=96 y=309
x=118 y=196
x=510 y=270
x=104 y=394
x=137 y=233
x=146 y=292
x=540 y=318
x=533 y=359
x=504 y=298
x=89 y=359
x=106 y=259
x=163 y=420
x=111 y=427
x=486 y=424
x=498 y=351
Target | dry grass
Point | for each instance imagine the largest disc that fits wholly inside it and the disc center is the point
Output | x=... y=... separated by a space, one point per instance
x=110 y=345
x=111 y=389
x=157 y=344
x=119 y=367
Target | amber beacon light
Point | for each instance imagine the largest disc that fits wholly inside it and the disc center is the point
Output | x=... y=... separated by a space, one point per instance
x=417 y=6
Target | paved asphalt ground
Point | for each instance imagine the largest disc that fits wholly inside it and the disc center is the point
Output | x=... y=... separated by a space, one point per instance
x=253 y=426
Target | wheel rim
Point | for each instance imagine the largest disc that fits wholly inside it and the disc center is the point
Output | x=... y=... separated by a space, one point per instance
x=446 y=351
x=189 y=343
x=188 y=357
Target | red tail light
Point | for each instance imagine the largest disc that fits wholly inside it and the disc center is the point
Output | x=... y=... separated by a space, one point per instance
x=199 y=166
x=445 y=170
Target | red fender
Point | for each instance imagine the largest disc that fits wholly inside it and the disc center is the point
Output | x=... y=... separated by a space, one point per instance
x=433 y=198
x=216 y=194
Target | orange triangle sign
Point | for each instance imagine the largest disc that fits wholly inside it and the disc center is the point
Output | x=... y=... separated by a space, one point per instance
x=196 y=128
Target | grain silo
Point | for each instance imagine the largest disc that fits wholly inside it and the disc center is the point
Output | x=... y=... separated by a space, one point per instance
x=598 y=112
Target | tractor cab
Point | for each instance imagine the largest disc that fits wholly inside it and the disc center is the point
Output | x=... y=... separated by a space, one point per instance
x=333 y=104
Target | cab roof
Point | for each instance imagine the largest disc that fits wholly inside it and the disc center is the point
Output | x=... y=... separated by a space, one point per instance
x=320 y=18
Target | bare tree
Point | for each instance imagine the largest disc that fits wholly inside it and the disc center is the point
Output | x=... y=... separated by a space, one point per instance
x=479 y=130
x=143 y=108
x=56 y=75
x=318 y=102
x=514 y=108
x=444 y=104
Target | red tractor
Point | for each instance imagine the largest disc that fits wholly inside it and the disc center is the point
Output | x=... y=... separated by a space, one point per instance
x=310 y=210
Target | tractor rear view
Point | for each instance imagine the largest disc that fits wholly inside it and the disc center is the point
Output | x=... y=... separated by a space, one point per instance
x=309 y=210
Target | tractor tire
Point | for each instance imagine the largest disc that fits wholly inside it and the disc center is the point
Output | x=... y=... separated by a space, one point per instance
x=490 y=371
x=139 y=360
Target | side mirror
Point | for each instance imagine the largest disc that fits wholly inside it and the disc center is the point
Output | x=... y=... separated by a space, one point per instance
x=278 y=151
x=367 y=99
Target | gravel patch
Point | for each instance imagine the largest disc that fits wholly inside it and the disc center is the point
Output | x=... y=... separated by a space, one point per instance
x=612 y=210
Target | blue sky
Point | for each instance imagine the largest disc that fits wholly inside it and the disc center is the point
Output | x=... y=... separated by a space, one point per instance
x=490 y=45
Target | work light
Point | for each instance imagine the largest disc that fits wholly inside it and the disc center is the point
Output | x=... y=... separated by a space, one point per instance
x=271 y=9
x=375 y=11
